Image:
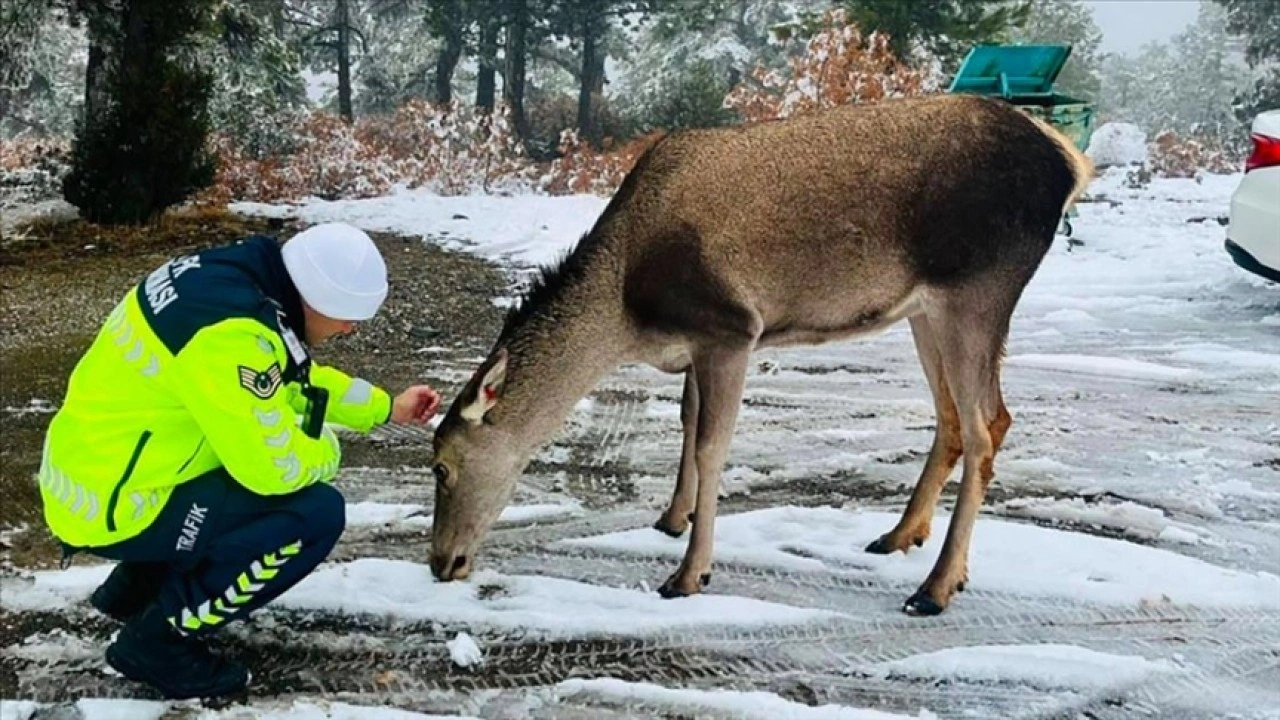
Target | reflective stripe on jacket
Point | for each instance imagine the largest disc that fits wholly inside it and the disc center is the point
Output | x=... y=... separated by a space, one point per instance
x=191 y=371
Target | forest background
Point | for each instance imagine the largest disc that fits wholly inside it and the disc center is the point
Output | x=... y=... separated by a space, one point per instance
x=128 y=107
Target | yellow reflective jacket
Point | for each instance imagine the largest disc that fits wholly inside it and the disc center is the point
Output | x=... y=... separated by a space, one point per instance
x=198 y=367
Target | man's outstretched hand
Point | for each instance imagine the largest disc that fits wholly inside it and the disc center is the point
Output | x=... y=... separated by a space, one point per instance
x=416 y=405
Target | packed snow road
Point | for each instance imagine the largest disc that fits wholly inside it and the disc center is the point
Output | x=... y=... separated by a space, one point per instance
x=1127 y=562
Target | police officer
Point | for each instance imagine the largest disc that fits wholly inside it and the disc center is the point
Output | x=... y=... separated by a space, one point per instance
x=194 y=444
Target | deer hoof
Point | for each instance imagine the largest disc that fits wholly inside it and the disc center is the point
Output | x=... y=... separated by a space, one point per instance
x=922 y=605
x=662 y=527
x=670 y=591
x=887 y=545
x=672 y=525
x=881 y=546
x=675 y=587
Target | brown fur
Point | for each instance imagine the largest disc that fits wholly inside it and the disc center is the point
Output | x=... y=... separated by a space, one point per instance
x=808 y=230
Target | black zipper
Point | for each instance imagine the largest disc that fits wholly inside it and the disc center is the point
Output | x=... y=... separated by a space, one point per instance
x=128 y=470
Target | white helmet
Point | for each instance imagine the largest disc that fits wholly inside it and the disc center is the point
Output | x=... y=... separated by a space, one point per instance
x=337 y=270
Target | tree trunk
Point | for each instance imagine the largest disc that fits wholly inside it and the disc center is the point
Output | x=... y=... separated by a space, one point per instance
x=592 y=85
x=344 y=61
x=447 y=61
x=743 y=33
x=94 y=74
x=486 y=82
x=516 y=62
x=103 y=25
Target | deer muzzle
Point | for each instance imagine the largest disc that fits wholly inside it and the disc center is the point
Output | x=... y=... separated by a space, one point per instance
x=448 y=566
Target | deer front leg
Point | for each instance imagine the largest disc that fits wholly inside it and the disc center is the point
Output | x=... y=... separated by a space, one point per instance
x=674 y=521
x=719 y=375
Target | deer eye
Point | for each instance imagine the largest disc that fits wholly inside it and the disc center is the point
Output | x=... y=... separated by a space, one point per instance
x=442 y=473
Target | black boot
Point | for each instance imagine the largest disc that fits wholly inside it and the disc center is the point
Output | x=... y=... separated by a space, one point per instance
x=150 y=650
x=128 y=589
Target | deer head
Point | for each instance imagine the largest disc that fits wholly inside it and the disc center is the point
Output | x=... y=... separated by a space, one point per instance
x=477 y=461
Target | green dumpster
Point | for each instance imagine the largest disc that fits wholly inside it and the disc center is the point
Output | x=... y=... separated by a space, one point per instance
x=1024 y=75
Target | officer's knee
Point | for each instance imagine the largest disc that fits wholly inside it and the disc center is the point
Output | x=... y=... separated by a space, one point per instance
x=326 y=511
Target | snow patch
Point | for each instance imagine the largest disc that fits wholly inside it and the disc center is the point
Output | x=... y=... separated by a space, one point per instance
x=1222 y=358
x=464 y=651
x=1126 y=368
x=51 y=589
x=745 y=705
x=1139 y=521
x=1004 y=557
x=113 y=709
x=321 y=710
x=53 y=647
x=34 y=406
x=1071 y=316
x=361 y=514
x=540 y=606
x=1117 y=143
x=525 y=230
x=17 y=709
x=1047 y=666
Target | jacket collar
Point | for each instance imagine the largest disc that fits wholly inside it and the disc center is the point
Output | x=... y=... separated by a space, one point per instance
x=273 y=278
x=283 y=290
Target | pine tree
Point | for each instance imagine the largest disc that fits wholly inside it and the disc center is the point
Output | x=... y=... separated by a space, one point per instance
x=694 y=53
x=141 y=144
x=42 y=56
x=399 y=59
x=587 y=25
x=330 y=37
x=945 y=29
x=1258 y=23
x=1187 y=86
x=258 y=89
x=1207 y=75
x=1121 y=85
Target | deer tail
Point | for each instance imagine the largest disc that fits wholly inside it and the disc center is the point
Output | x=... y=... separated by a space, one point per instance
x=1082 y=168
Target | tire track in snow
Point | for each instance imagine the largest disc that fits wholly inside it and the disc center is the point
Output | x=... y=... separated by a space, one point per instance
x=412 y=658
x=318 y=653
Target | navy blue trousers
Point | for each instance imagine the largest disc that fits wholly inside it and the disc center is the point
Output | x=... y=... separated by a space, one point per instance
x=229 y=551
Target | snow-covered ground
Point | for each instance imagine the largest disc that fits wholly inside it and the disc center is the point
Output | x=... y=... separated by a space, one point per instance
x=1127 y=562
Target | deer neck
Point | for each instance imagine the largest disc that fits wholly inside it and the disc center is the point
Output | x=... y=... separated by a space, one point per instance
x=560 y=354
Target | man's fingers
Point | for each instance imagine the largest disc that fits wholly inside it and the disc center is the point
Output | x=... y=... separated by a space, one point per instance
x=430 y=410
x=419 y=404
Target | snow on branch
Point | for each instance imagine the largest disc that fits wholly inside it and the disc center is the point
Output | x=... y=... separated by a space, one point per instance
x=451 y=149
x=839 y=66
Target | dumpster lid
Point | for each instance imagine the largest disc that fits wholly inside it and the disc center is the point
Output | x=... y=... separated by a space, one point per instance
x=1011 y=70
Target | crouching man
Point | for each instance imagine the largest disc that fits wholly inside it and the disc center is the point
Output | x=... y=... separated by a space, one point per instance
x=192 y=447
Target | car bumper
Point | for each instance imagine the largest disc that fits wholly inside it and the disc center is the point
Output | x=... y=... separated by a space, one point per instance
x=1250 y=263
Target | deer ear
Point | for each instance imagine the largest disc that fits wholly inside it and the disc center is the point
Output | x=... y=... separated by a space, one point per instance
x=488 y=390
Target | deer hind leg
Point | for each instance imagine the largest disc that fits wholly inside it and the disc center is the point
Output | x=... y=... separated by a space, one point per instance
x=720 y=374
x=916 y=522
x=971 y=324
x=674 y=521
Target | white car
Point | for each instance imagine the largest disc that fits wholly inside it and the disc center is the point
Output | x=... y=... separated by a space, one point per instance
x=1253 y=235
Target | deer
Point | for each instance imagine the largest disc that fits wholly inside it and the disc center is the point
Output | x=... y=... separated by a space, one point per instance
x=822 y=227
